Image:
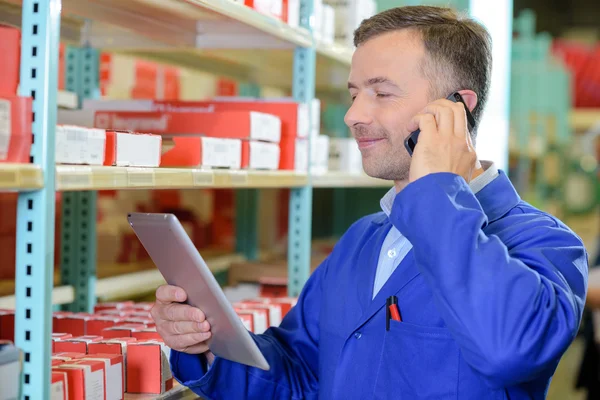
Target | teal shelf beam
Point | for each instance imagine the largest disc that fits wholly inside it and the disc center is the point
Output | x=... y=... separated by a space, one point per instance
x=78 y=229
x=35 y=215
x=300 y=215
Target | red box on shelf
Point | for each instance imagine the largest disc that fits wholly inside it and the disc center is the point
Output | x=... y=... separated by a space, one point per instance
x=114 y=374
x=75 y=324
x=98 y=323
x=60 y=386
x=195 y=151
x=7 y=325
x=122 y=331
x=148 y=368
x=146 y=334
x=76 y=344
x=86 y=379
x=114 y=306
x=15 y=128
x=131 y=149
x=112 y=346
x=10 y=48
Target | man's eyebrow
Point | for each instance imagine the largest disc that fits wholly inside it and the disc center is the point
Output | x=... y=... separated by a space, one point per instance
x=374 y=81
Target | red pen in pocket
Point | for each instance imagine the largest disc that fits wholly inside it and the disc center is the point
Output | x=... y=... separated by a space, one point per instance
x=391 y=311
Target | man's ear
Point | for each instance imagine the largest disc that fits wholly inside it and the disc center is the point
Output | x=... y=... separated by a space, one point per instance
x=470 y=98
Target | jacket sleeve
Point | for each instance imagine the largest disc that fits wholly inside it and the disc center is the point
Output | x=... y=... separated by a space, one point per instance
x=290 y=349
x=513 y=307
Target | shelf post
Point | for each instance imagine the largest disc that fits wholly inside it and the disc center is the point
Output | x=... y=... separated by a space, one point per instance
x=35 y=213
x=78 y=245
x=300 y=215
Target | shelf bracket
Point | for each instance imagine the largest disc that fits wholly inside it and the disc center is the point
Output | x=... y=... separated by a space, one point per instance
x=35 y=213
x=78 y=249
x=300 y=215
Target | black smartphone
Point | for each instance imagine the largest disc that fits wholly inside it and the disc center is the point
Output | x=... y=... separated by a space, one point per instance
x=411 y=140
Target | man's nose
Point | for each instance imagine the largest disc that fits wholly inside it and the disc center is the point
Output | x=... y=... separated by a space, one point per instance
x=359 y=113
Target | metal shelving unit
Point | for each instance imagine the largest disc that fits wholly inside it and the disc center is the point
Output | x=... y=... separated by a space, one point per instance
x=182 y=32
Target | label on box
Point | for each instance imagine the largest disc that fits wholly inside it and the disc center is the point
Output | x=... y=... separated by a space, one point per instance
x=57 y=391
x=222 y=153
x=114 y=378
x=265 y=127
x=5 y=128
x=138 y=150
x=264 y=155
x=78 y=145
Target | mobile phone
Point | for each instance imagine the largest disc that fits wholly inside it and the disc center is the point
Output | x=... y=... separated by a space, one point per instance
x=411 y=140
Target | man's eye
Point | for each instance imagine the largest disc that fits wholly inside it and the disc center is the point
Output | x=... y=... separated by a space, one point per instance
x=353 y=97
x=381 y=95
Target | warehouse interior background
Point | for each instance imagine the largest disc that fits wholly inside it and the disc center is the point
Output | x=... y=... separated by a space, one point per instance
x=543 y=128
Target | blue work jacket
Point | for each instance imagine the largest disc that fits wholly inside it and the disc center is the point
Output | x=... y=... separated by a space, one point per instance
x=491 y=295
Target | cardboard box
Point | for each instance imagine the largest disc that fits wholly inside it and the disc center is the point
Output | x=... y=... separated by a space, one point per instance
x=68 y=356
x=60 y=386
x=130 y=149
x=260 y=155
x=225 y=124
x=260 y=318
x=7 y=325
x=120 y=305
x=15 y=129
x=75 y=344
x=148 y=368
x=345 y=156
x=75 y=324
x=57 y=337
x=196 y=151
x=10 y=48
x=274 y=312
x=146 y=334
x=121 y=331
x=147 y=322
x=121 y=313
x=113 y=346
x=114 y=368
x=97 y=324
x=78 y=145
x=85 y=379
x=320 y=154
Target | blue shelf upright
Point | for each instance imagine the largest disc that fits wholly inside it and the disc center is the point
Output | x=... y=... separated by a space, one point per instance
x=35 y=215
x=300 y=215
x=78 y=229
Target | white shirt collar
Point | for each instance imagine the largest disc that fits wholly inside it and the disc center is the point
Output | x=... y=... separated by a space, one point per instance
x=489 y=174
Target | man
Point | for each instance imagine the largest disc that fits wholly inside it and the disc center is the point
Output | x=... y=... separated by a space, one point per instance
x=490 y=290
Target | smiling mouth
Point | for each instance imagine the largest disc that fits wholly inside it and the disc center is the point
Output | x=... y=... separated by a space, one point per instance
x=365 y=143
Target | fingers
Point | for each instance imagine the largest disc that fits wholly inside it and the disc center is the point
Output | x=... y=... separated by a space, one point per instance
x=178 y=312
x=186 y=342
x=425 y=122
x=170 y=294
x=460 y=120
x=185 y=327
x=443 y=113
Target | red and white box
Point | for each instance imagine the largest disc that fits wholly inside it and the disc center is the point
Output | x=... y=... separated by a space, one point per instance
x=260 y=316
x=143 y=306
x=260 y=155
x=79 y=145
x=125 y=312
x=113 y=346
x=122 y=331
x=148 y=368
x=98 y=323
x=131 y=320
x=250 y=125
x=274 y=311
x=10 y=48
x=75 y=324
x=114 y=306
x=15 y=128
x=147 y=334
x=130 y=149
x=114 y=368
x=248 y=321
x=85 y=379
x=196 y=151
x=67 y=356
x=285 y=302
x=273 y=8
x=57 y=337
x=7 y=325
x=59 y=386
x=76 y=344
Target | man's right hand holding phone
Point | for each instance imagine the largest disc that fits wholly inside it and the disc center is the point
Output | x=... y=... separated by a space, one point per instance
x=183 y=327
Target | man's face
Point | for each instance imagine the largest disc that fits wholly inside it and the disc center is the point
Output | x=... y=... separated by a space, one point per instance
x=388 y=89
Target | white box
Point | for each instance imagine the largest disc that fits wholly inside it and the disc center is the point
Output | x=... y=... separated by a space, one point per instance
x=221 y=153
x=263 y=155
x=345 y=156
x=301 y=155
x=328 y=28
x=137 y=150
x=319 y=154
x=265 y=127
x=10 y=371
x=113 y=377
x=293 y=13
x=315 y=114
x=318 y=19
x=78 y=145
x=5 y=128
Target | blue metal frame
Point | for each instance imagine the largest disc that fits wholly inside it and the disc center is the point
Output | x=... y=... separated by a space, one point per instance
x=300 y=216
x=35 y=216
x=78 y=245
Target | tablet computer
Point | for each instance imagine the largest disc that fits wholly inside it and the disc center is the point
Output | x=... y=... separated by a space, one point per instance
x=178 y=260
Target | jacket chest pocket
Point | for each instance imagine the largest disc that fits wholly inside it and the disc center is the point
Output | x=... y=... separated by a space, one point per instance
x=417 y=363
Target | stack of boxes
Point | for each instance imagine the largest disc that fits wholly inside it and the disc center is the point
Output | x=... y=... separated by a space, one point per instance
x=117 y=350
